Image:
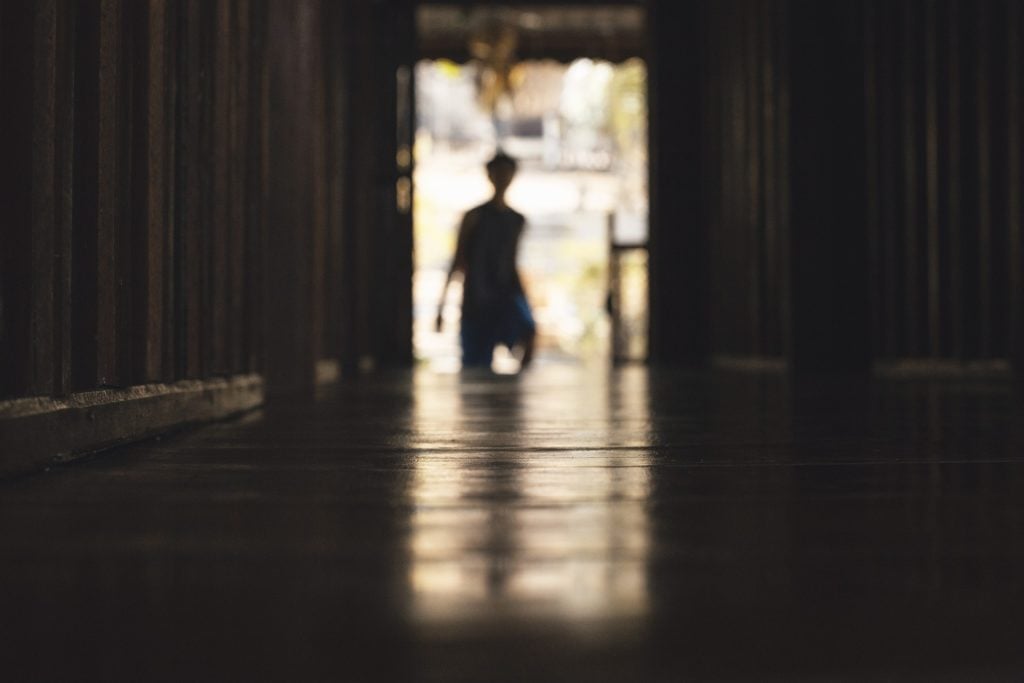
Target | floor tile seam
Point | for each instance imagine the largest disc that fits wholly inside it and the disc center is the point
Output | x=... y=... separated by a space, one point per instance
x=660 y=460
x=454 y=446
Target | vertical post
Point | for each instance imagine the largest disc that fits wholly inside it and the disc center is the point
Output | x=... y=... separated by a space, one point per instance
x=222 y=38
x=43 y=215
x=392 y=276
x=377 y=240
x=336 y=151
x=17 y=31
x=931 y=147
x=257 y=171
x=399 y=351
x=149 y=208
x=909 y=118
x=289 y=325
x=111 y=285
x=95 y=208
x=357 y=23
x=771 y=186
x=679 y=291
x=889 y=340
x=238 y=104
x=983 y=140
x=753 y=158
x=954 y=192
x=828 y=263
x=189 y=264
x=1015 y=137
x=872 y=165
x=64 y=195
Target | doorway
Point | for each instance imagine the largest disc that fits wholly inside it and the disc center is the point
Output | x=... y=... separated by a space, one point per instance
x=578 y=127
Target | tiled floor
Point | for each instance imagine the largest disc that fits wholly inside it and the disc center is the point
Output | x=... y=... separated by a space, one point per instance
x=568 y=525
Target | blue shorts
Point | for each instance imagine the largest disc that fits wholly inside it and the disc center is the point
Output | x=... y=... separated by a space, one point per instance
x=508 y=324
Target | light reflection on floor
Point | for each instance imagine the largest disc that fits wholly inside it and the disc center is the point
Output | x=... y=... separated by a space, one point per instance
x=509 y=529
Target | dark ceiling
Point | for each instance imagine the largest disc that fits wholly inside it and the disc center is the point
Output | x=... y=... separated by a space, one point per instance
x=562 y=31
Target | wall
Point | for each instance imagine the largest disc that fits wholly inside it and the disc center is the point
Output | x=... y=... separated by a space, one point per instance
x=859 y=194
x=134 y=237
x=171 y=203
x=943 y=84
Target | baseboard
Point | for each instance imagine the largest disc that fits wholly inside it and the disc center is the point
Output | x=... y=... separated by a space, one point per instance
x=911 y=368
x=765 y=364
x=38 y=432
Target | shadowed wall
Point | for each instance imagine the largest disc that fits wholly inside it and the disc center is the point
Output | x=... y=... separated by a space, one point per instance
x=859 y=194
x=171 y=192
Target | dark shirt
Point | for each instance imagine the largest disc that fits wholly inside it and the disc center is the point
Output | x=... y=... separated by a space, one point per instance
x=491 y=243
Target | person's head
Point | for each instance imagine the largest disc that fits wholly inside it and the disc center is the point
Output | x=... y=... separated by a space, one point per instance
x=501 y=169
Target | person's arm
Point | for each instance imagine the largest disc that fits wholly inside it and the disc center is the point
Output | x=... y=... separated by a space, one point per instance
x=458 y=262
x=519 y=277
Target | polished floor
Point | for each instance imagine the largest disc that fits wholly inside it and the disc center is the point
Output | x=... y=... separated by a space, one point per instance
x=567 y=525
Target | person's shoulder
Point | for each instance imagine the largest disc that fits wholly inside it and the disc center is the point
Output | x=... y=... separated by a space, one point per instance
x=509 y=211
x=472 y=216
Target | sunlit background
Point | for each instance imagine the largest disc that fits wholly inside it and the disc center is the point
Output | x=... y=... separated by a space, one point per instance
x=579 y=131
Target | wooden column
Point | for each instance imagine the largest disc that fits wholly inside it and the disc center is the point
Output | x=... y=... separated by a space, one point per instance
x=679 y=252
x=1015 y=140
x=396 y=336
x=983 y=142
x=36 y=62
x=829 y=325
x=356 y=23
x=149 y=207
x=913 y=312
x=17 y=131
x=257 y=179
x=377 y=242
x=291 y=345
x=336 y=151
x=954 y=181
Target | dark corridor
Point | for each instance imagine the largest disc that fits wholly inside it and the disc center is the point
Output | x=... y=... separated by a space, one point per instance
x=217 y=460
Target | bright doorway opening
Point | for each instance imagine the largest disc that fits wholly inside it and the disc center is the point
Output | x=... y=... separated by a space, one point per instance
x=579 y=132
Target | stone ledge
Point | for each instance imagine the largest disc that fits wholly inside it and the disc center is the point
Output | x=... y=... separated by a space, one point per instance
x=38 y=432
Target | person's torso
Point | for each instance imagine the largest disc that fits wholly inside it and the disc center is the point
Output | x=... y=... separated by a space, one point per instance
x=491 y=276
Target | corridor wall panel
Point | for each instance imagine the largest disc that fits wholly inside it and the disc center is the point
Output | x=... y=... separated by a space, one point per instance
x=943 y=83
x=171 y=210
x=680 y=307
x=377 y=44
x=859 y=191
x=746 y=182
x=115 y=222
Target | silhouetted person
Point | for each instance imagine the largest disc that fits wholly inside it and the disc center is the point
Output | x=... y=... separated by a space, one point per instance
x=494 y=306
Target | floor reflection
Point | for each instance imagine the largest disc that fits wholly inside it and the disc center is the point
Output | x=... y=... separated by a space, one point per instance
x=568 y=525
x=528 y=518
